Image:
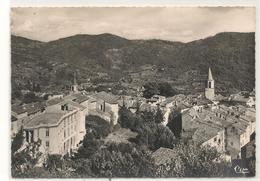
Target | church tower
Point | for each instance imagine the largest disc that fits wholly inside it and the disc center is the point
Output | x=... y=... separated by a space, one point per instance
x=74 y=87
x=210 y=87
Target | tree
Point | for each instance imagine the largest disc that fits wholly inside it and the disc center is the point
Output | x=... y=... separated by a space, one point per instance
x=54 y=162
x=100 y=127
x=150 y=89
x=126 y=118
x=195 y=161
x=122 y=160
x=175 y=122
x=158 y=88
x=158 y=116
x=17 y=141
x=26 y=159
x=89 y=147
x=147 y=116
x=31 y=97
x=166 y=89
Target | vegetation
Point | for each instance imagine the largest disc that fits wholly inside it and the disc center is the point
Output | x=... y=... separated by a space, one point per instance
x=146 y=124
x=195 y=161
x=175 y=122
x=155 y=88
x=99 y=127
x=31 y=97
x=230 y=55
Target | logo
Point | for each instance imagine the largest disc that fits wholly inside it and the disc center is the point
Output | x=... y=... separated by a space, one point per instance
x=238 y=169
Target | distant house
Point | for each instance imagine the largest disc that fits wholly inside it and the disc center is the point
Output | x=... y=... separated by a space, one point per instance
x=54 y=96
x=22 y=113
x=251 y=102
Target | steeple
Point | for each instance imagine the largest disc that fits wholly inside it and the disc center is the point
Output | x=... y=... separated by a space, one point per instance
x=74 y=87
x=210 y=87
x=210 y=75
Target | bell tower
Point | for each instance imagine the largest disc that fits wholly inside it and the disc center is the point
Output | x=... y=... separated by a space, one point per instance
x=210 y=87
x=74 y=87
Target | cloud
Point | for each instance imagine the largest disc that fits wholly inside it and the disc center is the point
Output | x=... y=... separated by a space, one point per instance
x=169 y=23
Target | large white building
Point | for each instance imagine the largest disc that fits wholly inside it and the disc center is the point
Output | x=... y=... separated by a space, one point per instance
x=59 y=129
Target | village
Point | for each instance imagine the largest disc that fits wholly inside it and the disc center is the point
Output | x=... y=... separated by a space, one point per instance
x=208 y=119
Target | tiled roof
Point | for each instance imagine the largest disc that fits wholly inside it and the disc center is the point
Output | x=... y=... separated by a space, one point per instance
x=29 y=108
x=18 y=109
x=54 y=101
x=45 y=119
x=109 y=98
x=81 y=98
x=204 y=133
x=72 y=103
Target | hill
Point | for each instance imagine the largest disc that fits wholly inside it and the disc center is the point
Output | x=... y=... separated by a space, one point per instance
x=110 y=58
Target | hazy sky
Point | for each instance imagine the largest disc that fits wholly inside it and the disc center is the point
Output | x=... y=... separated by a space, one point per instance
x=171 y=23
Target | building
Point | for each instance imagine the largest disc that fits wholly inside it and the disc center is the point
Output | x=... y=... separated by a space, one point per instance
x=20 y=114
x=74 y=87
x=210 y=87
x=228 y=129
x=105 y=106
x=59 y=129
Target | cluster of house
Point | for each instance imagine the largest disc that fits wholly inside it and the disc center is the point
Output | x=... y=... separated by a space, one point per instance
x=60 y=123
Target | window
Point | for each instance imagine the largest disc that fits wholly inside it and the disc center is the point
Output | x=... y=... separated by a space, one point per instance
x=47 y=132
x=215 y=139
x=101 y=107
x=47 y=143
x=65 y=133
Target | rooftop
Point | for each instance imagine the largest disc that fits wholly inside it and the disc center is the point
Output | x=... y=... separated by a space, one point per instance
x=204 y=133
x=29 y=108
x=45 y=119
x=109 y=98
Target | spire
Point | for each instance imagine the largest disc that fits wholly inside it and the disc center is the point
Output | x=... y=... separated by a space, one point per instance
x=210 y=75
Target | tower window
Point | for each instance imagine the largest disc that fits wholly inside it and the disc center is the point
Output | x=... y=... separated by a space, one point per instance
x=209 y=84
x=47 y=143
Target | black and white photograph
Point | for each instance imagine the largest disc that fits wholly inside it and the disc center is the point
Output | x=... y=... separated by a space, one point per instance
x=132 y=92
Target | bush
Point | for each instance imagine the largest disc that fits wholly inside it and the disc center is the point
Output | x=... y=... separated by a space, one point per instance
x=100 y=127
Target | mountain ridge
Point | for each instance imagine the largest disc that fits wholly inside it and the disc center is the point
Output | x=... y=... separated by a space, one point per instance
x=230 y=54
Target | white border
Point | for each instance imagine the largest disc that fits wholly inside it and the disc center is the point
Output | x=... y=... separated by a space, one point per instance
x=5 y=59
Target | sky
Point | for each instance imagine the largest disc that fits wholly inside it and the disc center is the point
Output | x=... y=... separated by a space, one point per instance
x=183 y=24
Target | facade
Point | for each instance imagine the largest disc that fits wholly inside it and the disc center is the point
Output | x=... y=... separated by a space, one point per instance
x=210 y=87
x=59 y=129
x=105 y=106
x=228 y=129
